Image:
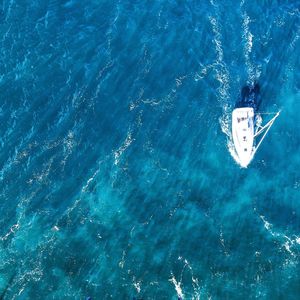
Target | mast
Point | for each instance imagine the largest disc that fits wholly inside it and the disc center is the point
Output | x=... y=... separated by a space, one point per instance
x=266 y=128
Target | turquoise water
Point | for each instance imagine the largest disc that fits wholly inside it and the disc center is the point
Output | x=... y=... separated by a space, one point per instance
x=116 y=178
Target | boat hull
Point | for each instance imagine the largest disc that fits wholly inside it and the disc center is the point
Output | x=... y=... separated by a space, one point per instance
x=243 y=134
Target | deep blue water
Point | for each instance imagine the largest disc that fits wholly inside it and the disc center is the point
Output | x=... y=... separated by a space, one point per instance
x=116 y=179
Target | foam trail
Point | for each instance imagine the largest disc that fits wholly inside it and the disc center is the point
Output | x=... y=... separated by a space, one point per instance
x=137 y=284
x=195 y=282
x=247 y=36
x=288 y=242
x=118 y=153
x=11 y=231
x=90 y=180
x=177 y=285
x=222 y=75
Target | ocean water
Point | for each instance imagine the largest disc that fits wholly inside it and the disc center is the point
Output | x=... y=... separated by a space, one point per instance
x=116 y=174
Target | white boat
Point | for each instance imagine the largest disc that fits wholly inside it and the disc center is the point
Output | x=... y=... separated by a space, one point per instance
x=248 y=133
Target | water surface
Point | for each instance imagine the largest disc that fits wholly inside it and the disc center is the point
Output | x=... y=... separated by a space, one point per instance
x=116 y=179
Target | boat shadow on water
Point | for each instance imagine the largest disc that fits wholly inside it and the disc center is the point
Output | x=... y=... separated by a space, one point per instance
x=250 y=97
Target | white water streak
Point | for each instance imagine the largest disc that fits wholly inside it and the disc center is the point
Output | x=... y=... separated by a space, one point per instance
x=253 y=72
x=222 y=75
x=118 y=153
x=177 y=285
x=137 y=284
x=90 y=180
x=11 y=231
x=288 y=243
